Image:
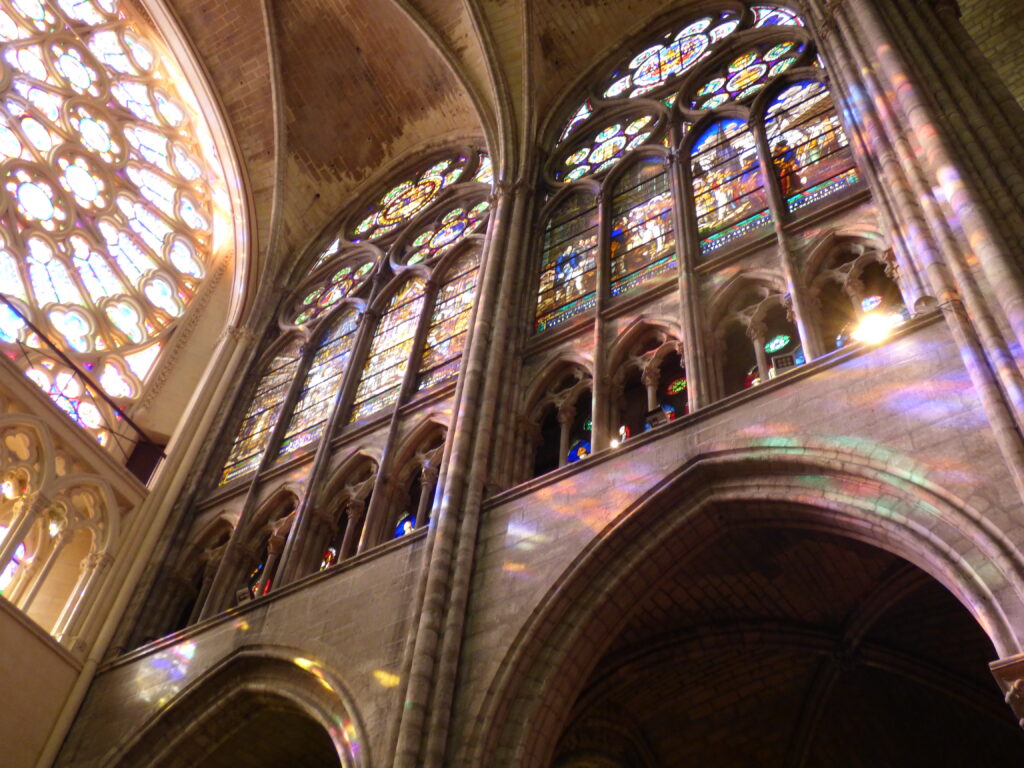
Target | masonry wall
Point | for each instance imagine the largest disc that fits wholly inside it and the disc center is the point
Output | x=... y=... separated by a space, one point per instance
x=352 y=621
x=998 y=28
x=36 y=675
x=908 y=402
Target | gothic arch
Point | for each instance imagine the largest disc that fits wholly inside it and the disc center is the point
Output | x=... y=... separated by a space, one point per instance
x=207 y=710
x=885 y=501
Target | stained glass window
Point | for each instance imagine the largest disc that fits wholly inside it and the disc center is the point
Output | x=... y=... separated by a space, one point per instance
x=675 y=54
x=389 y=353
x=446 y=336
x=261 y=416
x=580 y=115
x=409 y=198
x=8 y=574
x=321 y=296
x=323 y=380
x=446 y=231
x=809 y=148
x=769 y=15
x=484 y=171
x=605 y=148
x=746 y=74
x=103 y=163
x=728 y=193
x=642 y=234
x=568 y=276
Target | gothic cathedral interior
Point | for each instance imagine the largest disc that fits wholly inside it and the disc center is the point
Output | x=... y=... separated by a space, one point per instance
x=511 y=383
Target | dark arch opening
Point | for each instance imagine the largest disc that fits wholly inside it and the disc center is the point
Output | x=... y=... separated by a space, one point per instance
x=793 y=647
x=274 y=736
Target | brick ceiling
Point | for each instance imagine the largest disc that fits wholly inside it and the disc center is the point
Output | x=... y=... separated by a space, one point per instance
x=786 y=648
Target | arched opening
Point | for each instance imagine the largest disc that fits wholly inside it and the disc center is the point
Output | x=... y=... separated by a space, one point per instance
x=779 y=646
x=274 y=734
x=589 y=631
x=272 y=707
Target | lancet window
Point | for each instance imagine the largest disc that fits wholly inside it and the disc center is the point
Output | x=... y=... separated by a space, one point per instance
x=384 y=312
x=680 y=139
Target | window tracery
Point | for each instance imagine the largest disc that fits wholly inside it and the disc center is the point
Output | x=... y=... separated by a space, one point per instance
x=111 y=178
x=404 y=249
x=264 y=409
x=715 y=89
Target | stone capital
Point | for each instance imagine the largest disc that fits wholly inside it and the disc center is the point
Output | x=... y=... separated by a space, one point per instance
x=1009 y=674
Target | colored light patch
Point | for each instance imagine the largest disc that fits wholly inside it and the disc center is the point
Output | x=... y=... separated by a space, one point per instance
x=676 y=387
x=776 y=343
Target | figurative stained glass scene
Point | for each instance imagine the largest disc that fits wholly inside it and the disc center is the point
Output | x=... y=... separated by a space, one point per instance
x=713 y=65
x=809 y=148
x=323 y=379
x=642 y=234
x=105 y=165
x=568 y=263
x=729 y=197
x=446 y=336
x=264 y=409
x=389 y=353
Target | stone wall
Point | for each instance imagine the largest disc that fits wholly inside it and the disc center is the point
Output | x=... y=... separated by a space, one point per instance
x=998 y=28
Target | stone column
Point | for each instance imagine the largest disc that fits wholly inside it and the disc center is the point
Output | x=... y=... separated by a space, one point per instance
x=94 y=566
x=428 y=482
x=209 y=572
x=355 y=510
x=566 y=415
x=31 y=509
x=695 y=357
x=274 y=547
x=809 y=336
x=756 y=332
x=937 y=221
x=37 y=584
x=651 y=378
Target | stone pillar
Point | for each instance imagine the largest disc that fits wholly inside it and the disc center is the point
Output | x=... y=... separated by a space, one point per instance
x=94 y=566
x=209 y=572
x=566 y=415
x=225 y=578
x=31 y=509
x=756 y=332
x=695 y=357
x=651 y=378
x=275 y=545
x=428 y=481
x=37 y=584
x=780 y=214
x=355 y=511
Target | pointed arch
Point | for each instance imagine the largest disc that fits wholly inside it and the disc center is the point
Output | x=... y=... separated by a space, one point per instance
x=736 y=486
x=217 y=702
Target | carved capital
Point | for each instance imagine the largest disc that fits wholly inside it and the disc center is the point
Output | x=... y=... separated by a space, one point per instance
x=1009 y=673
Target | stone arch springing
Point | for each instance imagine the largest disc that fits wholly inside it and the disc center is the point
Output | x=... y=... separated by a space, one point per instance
x=211 y=707
x=740 y=485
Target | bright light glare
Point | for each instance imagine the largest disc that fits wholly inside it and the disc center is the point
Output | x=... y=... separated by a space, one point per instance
x=615 y=443
x=875 y=327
